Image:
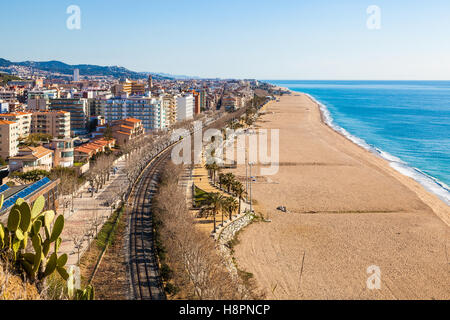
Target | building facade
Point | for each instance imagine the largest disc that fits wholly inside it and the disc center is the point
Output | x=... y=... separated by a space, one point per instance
x=9 y=139
x=23 y=120
x=170 y=106
x=185 y=107
x=149 y=110
x=32 y=158
x=79 y=112
x=63 y=152
x=54 y=123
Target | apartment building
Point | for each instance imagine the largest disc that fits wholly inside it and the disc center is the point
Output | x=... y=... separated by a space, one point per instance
x=185 y=107
x=132 y=88
x=149 y=110
x=9 y=139
x=127 y=129
x=23 y=120
x=54 y=123
x=199 y=101
x=79 y=112
x=230 y=103
x=170 y=106
x=8 y=96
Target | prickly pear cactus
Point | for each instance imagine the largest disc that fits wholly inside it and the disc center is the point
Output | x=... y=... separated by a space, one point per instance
x=24 y=223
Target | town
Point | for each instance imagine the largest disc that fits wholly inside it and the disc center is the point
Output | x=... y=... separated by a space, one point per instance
x=85 y=146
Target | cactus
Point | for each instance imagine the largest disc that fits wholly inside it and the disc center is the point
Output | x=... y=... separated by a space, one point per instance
x=25 y=217
x=24 y=223
x=38 y=206
x=57 y=229
x=2 y=234
x=86 y=294
x=13 y=220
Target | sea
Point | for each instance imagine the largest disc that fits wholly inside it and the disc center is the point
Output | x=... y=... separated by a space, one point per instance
x=405 y=122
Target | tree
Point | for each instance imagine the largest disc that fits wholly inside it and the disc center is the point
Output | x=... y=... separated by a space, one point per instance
x=239 y=191
x=222 y=180
x=228 y=181
x=230 y=205
x=30 y=176
x=214 y=204
x=107 y=135
x=68 y=184
x=214 y=169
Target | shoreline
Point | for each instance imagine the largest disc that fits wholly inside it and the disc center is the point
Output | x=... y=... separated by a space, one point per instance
x=347 y=209
x=394 y=162
x=442 y=192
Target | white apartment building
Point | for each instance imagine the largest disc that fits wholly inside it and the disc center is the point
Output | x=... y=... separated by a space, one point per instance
x=9 y=139
x=76 y=75
x=185 y=107
x=149 y=110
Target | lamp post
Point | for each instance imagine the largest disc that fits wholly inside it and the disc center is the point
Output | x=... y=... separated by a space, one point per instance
x=251 y=180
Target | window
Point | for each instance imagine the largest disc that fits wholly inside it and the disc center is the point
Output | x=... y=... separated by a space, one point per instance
x=67 y=154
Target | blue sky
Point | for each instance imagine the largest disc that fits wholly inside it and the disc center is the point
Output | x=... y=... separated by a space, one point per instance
x=264 y=39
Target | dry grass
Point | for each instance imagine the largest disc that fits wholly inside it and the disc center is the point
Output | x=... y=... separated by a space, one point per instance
x=110 y=281
x=12 y=287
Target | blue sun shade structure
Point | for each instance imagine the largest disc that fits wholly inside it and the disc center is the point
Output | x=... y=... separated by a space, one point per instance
x=3 y=188
x=25 y=193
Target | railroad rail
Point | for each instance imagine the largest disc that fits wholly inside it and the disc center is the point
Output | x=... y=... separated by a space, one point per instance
x=144 y=270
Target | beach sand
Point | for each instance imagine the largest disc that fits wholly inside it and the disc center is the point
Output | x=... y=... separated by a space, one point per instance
x=348 y=210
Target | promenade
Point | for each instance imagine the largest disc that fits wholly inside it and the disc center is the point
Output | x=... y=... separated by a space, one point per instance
x=87 y=208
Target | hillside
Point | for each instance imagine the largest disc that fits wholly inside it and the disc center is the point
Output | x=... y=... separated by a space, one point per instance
x=85 y=69
x=5 y=78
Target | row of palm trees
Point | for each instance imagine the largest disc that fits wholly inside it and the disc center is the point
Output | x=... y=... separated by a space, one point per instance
x=227 y=180
x=216 y=202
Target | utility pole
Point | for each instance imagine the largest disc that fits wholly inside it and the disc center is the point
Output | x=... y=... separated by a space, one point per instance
x=246 y=174
x=251 y=180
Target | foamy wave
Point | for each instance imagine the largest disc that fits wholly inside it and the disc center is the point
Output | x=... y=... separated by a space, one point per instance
x=430 y=183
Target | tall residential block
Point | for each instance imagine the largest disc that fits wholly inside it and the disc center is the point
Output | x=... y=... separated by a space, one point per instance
x=185 y=107
x=149 y=110
x=23 y=120
x=170 y=106
x=9 y=139
x=79 y=112
x=76 y=75
x=55 y=123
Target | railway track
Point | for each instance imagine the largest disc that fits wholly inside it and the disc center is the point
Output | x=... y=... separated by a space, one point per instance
x=144 y=270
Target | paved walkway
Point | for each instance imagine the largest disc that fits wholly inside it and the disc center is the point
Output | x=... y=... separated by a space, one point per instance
x=86 y=209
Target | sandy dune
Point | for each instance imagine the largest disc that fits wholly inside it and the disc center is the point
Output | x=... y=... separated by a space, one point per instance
x=348 y=210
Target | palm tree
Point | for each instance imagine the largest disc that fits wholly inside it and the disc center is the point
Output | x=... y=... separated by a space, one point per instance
x=239 y=191
x=230 y=205
x=214 y=203
x=215 y=169
x=229 y=179
x=222 y=180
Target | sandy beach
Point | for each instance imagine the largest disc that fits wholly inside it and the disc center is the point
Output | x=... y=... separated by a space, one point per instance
x=348 y=210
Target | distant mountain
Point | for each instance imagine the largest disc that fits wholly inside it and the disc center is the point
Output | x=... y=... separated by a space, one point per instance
x=173 y=76
x=85 y=69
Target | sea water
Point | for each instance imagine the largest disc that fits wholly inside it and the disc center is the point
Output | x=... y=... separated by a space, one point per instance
x=405 y=122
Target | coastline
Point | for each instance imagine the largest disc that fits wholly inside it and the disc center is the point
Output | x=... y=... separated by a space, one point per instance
x=347 y=209
x=397 y=164
x=431 y=184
